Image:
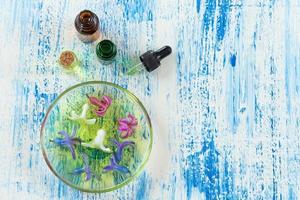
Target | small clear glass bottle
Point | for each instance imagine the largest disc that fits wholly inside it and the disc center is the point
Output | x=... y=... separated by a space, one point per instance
x=68 y=60
x=87 y=26
x=106 y=51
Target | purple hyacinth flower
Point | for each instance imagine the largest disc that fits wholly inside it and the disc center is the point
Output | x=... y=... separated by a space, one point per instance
x=115 y=166
x=85 y=169
x=120 y=148
x=68 y=141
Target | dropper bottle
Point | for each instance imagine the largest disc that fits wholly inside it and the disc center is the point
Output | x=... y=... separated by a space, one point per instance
x=150 y=60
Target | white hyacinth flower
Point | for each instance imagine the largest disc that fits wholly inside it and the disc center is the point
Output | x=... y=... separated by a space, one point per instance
x=82 y=116
x=97 y=142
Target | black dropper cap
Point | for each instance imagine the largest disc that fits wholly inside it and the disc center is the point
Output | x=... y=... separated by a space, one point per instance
x=151 y=59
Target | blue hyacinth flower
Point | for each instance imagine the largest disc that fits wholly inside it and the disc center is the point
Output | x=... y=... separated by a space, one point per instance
x=68 y=141
x=85 y=169
x=115 y=166
x=117 y=157
x=120 y=147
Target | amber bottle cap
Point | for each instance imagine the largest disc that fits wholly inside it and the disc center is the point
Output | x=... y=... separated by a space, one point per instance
x=86 y=22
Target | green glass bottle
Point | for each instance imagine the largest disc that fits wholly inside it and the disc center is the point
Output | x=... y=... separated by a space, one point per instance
x=106 y=51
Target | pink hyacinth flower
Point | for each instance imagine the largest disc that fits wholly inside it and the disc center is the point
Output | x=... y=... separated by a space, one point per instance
x=102 y=105
x=127 y=126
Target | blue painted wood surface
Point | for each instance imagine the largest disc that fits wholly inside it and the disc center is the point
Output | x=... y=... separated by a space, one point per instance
x=225 y=105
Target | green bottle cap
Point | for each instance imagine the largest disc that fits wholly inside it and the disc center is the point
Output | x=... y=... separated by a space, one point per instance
x=106 y=50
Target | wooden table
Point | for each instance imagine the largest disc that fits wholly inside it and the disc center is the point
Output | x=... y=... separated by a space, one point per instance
x=225 y=105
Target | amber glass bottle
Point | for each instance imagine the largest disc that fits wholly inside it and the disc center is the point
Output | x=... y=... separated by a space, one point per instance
x=87 y=26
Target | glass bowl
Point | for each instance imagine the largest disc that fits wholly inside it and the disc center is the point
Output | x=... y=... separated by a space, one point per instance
x=96 y=136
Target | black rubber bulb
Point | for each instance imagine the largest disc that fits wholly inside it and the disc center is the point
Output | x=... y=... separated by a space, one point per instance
x=151 y=59
x=163 y=52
